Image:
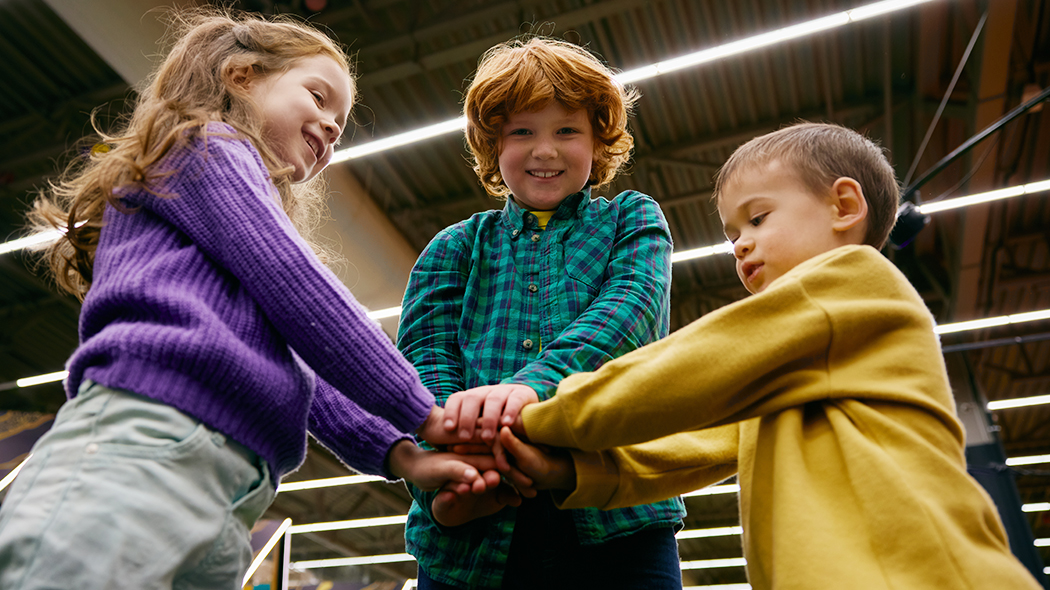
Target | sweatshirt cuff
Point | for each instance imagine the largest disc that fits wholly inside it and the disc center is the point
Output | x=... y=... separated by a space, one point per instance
x=597 y=479
x=546 y=423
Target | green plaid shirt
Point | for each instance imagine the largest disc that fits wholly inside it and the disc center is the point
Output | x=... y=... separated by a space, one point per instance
x=494 y=299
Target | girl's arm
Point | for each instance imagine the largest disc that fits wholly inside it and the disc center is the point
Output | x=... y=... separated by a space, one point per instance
x=223 y=201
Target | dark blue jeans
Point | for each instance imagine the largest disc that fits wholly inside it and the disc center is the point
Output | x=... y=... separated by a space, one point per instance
x=546 y=553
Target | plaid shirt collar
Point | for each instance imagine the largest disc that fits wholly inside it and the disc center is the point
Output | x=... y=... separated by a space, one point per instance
x=517 y=219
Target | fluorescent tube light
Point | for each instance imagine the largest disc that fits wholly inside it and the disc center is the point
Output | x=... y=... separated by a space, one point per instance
x=1042 y=542
x=342 y=525
x=725 y=531
x=729 y=488
x=703 y=564
x=344 y=561
x=1020 y=402
x=39 y=379
x=1036 y=507
x=1004 y=320
x=643 y=73
x=266 y=550
x=10 y=477
x=38 y=239
x=312 y=484
x=1003 y=193
x=401 y=139
x=741 y=586
x=1029 y=460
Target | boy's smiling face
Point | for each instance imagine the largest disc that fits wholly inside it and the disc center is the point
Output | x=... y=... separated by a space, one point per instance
x=546 y=155
x=776 y=223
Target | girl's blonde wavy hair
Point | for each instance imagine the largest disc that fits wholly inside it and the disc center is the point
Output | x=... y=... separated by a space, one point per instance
x=194 y=85
x=527 y=74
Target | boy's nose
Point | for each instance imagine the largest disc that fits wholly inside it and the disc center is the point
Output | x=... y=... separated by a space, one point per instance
x=742 y=247
x=544 y=151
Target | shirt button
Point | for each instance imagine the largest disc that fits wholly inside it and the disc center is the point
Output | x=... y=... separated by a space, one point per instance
x=515 y=232
x=533 y=288
x=535 y=237
x=527 y=344
x=91 y=449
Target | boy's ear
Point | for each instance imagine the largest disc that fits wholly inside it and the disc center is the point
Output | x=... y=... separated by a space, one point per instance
x=849 y=207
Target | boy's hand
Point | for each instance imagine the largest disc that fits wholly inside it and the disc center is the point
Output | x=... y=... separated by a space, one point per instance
x=496 y=404
x=429 y=470
x=433 y=431
x=451 y=508
x=547 y=469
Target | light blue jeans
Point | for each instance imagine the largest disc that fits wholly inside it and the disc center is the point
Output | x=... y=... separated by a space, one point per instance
x=127 y=492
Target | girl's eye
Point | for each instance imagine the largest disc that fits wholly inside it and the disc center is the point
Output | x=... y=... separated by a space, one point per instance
x=519 y=132
x=757 y=219
x=566 y=130
x=318 y=97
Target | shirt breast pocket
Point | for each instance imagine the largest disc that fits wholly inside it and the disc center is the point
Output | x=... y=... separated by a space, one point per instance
x=585 y=263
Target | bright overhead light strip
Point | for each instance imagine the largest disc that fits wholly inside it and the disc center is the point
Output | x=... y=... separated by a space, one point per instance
x=643 y=73
x=703 y=564
x=740 y=586
x=729 y=488
x=725 y=531
x=1003 y=193
x=10 y=477
x=1029 y=460
x=1021 y=402
x=345 y=561
x=313 y=484
x=342 y=525
x=1003 y=320
x=1042 y=542
x=39 y=239
x=1036 y=507
x=266 y=550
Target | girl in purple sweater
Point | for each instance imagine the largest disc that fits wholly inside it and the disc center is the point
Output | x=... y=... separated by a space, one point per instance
x=212 y=336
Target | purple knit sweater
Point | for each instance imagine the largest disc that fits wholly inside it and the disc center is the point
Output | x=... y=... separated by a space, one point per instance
x=209 y=301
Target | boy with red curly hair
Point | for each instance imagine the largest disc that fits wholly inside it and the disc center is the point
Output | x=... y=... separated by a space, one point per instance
x=512 y=301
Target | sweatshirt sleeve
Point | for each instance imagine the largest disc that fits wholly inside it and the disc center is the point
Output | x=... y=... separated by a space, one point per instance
x=223 y=200
x=652 y=471
x=752 y=358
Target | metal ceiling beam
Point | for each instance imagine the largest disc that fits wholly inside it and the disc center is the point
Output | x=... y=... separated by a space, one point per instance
x=992 y=89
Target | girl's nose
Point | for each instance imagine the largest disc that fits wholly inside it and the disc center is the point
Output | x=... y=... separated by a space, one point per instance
x=332 y=130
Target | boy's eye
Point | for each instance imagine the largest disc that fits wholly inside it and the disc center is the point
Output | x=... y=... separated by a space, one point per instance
x=757 y=219
x=519 y=132
x=318 y=97
x=566 y=130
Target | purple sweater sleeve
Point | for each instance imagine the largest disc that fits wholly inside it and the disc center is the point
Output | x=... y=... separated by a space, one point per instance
x=226 y=205
x=333 y=416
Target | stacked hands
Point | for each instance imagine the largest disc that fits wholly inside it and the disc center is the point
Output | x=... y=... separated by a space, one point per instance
x=485 y=464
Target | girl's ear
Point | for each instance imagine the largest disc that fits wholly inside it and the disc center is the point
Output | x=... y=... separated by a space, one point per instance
x=240 y=76
x=849 y=207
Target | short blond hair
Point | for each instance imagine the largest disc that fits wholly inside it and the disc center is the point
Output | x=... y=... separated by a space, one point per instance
x=819 y=154
x=528 y=74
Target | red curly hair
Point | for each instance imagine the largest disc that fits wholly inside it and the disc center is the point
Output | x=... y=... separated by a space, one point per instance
x=525 y=75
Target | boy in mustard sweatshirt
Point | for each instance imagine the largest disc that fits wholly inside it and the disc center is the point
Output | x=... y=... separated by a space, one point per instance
x=825 y=392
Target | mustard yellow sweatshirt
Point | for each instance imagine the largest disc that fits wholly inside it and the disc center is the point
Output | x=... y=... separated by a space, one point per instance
x=827 y=394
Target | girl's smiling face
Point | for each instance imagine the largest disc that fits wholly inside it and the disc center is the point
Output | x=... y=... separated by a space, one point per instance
x=304 y=109
x=546 y=155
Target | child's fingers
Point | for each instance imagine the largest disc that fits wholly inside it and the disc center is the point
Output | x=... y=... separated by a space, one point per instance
x=521 y=482
x=499 y=455
x=472 y=449
x=490 y=414
x=521 y=397
x=451 y=419
x=506 y=495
